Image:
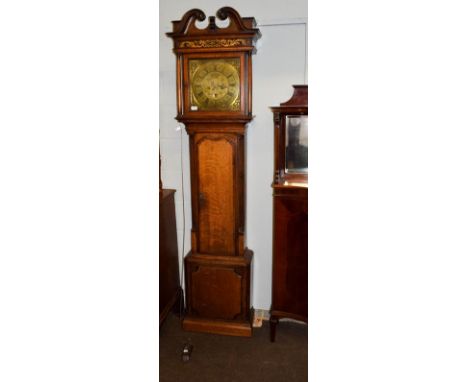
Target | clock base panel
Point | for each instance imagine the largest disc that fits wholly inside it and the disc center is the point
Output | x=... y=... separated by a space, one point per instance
x=228 y=328
x=218 y=294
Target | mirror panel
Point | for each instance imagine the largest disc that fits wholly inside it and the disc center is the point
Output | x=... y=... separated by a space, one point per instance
x=296 y=144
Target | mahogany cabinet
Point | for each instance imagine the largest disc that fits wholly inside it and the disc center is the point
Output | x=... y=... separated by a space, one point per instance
x=289 y=289
x=169 y=280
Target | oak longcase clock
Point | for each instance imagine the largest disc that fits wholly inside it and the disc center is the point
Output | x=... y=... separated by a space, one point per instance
x=214 y=102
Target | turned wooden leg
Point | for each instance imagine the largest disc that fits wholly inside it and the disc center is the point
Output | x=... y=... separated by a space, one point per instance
x=273 y=323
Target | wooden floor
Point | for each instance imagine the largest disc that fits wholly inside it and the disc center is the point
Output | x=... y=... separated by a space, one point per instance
x=225 y=358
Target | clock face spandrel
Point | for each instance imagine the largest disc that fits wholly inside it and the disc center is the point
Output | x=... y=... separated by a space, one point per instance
x=214 y=84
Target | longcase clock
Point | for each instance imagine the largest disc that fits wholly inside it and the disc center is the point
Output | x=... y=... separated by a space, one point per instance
x=214 y=102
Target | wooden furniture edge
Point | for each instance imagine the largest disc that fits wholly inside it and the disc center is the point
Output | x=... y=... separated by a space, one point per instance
x=242 y=329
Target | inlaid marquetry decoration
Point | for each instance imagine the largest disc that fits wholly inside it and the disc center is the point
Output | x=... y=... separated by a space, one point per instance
x=213 y=43
x=214 y=102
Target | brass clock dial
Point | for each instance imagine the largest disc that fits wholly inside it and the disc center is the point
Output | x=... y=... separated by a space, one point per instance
x=214 y=84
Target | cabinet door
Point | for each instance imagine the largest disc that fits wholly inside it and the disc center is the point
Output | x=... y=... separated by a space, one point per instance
x=290 y=254
x=216 y=193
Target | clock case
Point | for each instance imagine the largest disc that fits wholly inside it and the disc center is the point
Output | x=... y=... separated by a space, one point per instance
x=237 y=40
x=218 y=267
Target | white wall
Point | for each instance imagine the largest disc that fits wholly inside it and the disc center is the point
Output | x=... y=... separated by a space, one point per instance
x=279 y=63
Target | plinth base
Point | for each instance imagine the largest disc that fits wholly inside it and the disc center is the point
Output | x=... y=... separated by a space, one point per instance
x=218 y=294
x=229 y=328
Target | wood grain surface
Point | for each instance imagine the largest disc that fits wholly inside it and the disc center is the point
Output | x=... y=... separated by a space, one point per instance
x=216 y=197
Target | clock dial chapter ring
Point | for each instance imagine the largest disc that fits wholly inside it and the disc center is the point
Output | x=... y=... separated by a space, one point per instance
x=215 y=86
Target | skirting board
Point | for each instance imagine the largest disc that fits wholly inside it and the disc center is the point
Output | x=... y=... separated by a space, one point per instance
x=260 y=315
